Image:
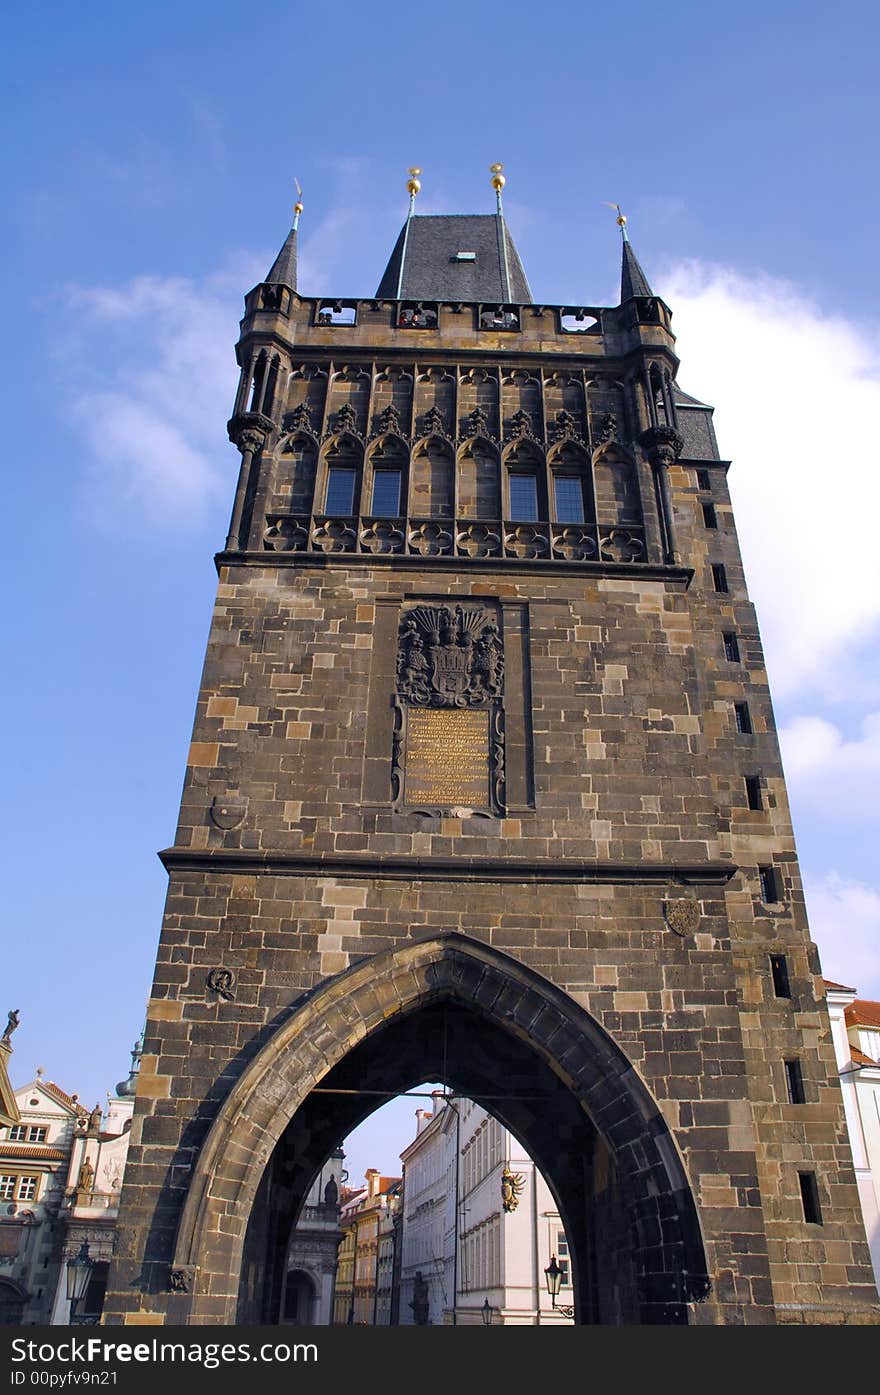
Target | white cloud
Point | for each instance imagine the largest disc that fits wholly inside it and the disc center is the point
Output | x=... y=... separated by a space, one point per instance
x=830 y=775
x=151 y=378
x=845 y=924
x=798 y=397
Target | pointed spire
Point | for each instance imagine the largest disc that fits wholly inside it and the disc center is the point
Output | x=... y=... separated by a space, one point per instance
x=128 y=1087
x=633 y=281
x=283 y=269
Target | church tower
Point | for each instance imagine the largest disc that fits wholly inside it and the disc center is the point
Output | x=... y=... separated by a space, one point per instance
x=484 y=787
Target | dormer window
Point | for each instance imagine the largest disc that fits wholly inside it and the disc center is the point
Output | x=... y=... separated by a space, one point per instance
x=465 y=257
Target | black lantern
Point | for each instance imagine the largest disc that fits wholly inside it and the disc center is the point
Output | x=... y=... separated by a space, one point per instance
x=79 y=1271
x=553 y=1275
x=487 y=1312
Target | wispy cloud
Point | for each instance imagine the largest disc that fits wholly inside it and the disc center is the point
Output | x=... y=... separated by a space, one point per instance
x=835 y=777
x=798 y=394
x=845 y=924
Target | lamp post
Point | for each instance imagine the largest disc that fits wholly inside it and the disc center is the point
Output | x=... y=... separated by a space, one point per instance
x=79 y=1269
x=553 y=1275
x=487 y=1313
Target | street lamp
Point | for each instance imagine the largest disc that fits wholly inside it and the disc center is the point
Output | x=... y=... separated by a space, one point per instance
x=553 y=1275
x=79 y=1270
x=487 y=1312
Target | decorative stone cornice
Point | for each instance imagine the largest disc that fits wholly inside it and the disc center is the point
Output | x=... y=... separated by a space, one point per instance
x=249 y=430
x=446 y=869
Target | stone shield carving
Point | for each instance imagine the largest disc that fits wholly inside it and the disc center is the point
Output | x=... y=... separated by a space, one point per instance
x=449 y=657
x=682 y=916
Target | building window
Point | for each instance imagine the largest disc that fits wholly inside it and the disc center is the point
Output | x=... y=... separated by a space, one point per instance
x=704 y=479
x=731 y=647
x=719 y=577
x=769 y=889
x=743 y=718
x=562 y=1259
x=386 y=494
x=7 y=1186
x=523 y=498
x=710 y=517
x=340 y=490
x=779 y=970
x=810 y=1198
x=569 y=497
x=753 y=792
x=794 y=1080
x=18 y=1133
x=27 y=1188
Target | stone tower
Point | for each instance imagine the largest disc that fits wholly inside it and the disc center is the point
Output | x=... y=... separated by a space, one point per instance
x=484 y=787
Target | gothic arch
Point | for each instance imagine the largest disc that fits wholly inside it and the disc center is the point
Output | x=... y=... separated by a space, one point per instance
x=590 y=1074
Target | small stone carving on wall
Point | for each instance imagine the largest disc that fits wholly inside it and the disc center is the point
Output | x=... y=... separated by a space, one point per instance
x=682 y=916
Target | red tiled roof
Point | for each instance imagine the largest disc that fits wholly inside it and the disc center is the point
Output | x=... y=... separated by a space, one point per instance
x=863 y=1013
x=838 y=987
x=38 y=1151
x=62 y=1096
x=860 y=1059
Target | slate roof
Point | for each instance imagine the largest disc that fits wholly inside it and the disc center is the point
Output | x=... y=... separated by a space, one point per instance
x=633 y=280
x=283 y=269
x=427 y=248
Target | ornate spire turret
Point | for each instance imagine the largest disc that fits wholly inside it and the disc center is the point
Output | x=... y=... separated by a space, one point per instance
x=633 y=281
x=283 y=269
x=126 y=1088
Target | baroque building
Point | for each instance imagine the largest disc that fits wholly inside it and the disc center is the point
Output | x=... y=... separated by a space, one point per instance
x=484 y=788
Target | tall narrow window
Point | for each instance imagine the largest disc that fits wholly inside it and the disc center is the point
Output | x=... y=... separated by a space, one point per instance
x=779 y=971
x=794 y=1082
x=743 y=718
x=731 y=647
x=386 y=494
x=719 y=577
x=569 y=496
x=710 y=518
x=810 y=1198
x=769 y=888
x=753 y=792
x=523 y=498
x=704 y=479
x=340 y=490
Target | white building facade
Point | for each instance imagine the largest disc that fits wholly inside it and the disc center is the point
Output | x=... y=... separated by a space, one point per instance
x=855 y=1027
x=479 y=1224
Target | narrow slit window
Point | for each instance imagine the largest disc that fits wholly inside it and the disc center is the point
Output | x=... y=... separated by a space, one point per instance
x=731 y=647
x=810 y=1198
x=779 y=972
x=710 y=518
x=340 y=491
x=769 y=887
x=794 y=1082
x=386 y=494
x=753 y=792
x=523 y=498
x=569 y=496
x=704 y=479
x=743 y=718
x=719 y=577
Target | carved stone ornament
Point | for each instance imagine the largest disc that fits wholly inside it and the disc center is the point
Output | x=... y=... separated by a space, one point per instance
x=182 y=1278
x=477 y=423
x=682 y=916
x=221 y=981
x=662 y=444
x=433 y=422
x=346 y=419
x=564 y=427
x=228 y=813
x=512 y=1184
x=520 y=427
x=607 y=428
x=300 y=419
x=250 y=441
x=449 y=656
x=389 y=422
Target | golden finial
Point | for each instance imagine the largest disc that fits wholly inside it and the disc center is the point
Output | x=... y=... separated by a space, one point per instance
x=413 y=185
x=620 y=220
x=498 y=181
x=298 y=206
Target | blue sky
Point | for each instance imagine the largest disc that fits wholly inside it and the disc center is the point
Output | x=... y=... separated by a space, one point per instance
x=148 y=184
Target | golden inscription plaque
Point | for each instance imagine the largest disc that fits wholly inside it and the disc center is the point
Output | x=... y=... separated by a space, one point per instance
x=447 y=757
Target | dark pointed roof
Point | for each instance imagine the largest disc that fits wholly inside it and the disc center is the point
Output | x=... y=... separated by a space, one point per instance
x=633 y=280
x=427 y=253
x=283 y=270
